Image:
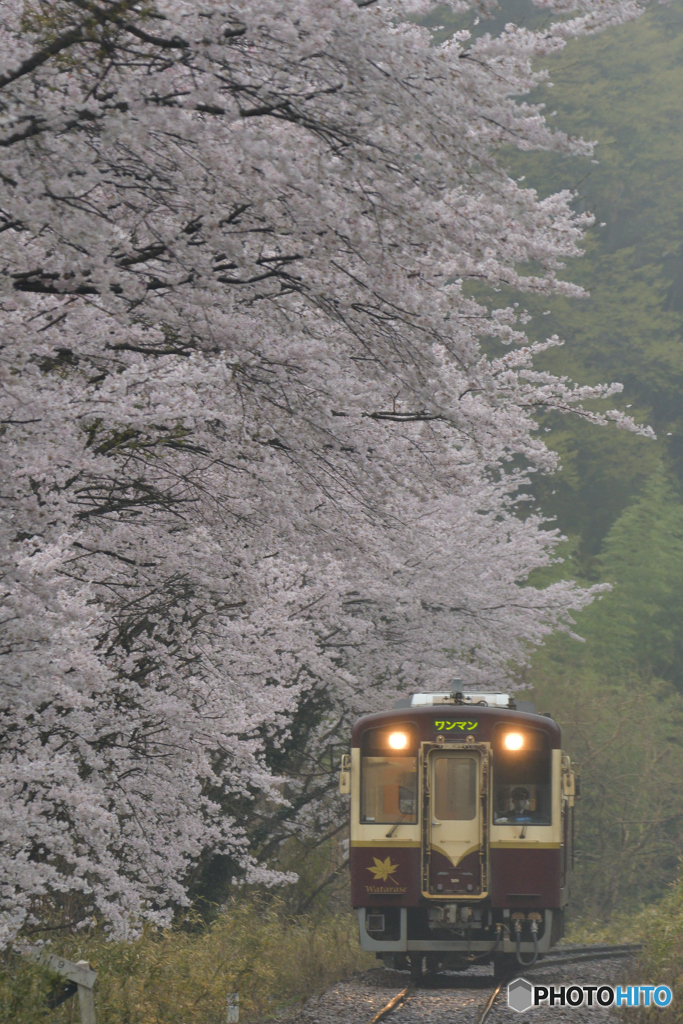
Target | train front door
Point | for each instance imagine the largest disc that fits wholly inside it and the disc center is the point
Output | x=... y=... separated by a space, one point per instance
x=454 y=832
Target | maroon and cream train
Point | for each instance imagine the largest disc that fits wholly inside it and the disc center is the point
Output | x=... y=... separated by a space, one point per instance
x=461 y=831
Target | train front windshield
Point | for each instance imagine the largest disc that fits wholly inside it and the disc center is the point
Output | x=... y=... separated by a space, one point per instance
x=522 y=768
x=455 y=788
x=388 y=776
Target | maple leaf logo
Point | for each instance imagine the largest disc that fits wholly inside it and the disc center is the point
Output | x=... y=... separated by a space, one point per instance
x=381 y=869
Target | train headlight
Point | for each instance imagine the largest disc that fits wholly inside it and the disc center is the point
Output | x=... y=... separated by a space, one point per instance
x=513 y=741
x=398 y=740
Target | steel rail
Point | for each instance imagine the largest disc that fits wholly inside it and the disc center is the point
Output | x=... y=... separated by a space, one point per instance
x=571 y=956
x=492 y=998
x=392 y=1004
x=580 y=957
x=605 y=953
x=598 y=947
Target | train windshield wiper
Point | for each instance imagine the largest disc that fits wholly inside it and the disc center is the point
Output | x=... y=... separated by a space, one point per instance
x=395 y=826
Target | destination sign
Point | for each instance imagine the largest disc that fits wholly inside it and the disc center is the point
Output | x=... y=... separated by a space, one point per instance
x=445 y=726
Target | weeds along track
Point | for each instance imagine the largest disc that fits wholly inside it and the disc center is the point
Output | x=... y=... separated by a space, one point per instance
x=471 y=997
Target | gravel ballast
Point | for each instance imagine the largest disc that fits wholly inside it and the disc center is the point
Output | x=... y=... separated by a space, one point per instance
x=460 y=998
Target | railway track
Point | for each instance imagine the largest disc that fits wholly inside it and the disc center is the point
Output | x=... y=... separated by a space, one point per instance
x=563 y=956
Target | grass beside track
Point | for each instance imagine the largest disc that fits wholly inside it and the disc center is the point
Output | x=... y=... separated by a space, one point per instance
x=275 y=961
x=661 y=960
x=659 y=928
x=183 y=975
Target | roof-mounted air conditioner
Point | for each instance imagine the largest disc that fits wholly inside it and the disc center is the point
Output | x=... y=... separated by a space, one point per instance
x=489 y=700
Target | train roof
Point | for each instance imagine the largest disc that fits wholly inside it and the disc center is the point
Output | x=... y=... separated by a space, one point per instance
x=456 y=720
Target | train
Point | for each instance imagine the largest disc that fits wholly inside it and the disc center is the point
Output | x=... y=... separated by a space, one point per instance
x=461 y=832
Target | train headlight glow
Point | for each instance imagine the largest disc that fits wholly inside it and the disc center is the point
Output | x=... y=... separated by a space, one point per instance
x=398 y=741
x=513 y=741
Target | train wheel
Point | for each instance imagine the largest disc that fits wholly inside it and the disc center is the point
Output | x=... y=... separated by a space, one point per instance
x=395 y=961
x=504 y=964
x=416 y=968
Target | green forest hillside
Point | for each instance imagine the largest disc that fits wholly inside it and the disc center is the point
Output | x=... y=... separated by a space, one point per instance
x=618 y=696
x=625 y=90
x=618 y=498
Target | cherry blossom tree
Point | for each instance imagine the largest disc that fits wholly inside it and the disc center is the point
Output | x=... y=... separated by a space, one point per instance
x=264 y=455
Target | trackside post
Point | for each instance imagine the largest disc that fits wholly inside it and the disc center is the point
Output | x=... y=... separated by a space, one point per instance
x=80 y=973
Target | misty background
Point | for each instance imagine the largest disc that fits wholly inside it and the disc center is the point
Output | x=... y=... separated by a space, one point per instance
x=618 y=497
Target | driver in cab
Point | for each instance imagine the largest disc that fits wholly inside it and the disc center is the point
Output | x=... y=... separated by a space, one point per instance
x=519 y=812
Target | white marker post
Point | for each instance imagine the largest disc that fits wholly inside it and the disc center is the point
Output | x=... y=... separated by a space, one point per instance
x=232 y=1008
x=80 y=973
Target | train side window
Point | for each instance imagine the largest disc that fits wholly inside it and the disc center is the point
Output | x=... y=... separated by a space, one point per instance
x=388 y=777
x=522 y=767
x=455 y=784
